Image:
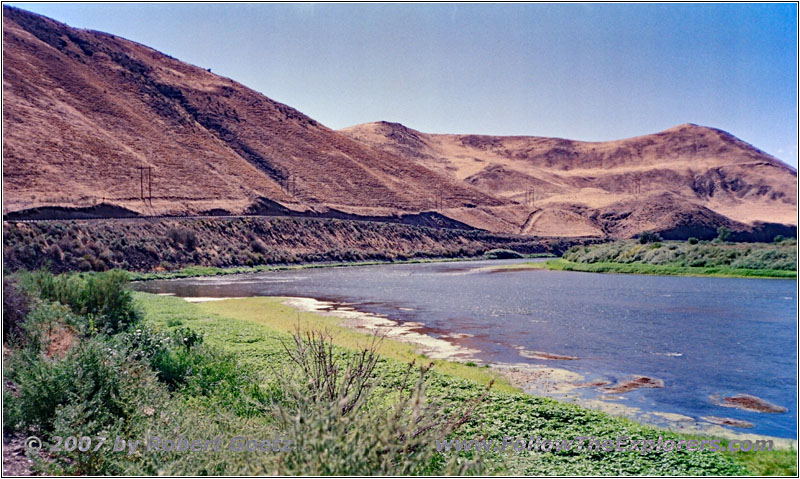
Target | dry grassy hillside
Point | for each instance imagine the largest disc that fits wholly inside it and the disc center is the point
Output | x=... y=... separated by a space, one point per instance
x=686 y=175
x=84 y=110
x=91 y=118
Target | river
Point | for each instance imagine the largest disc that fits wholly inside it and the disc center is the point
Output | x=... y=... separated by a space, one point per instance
x=703 y=337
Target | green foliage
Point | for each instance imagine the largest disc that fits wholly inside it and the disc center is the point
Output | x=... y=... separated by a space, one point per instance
x=692 y=240
x=649 y=237
x=101 y=297
x=739 y=259
x=668 y=270
x=502 y=254
x=723 y=233
x=16 y=305
x=345 y=425
x=93 y=385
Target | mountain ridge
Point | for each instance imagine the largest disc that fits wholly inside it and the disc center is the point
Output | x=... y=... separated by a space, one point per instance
x=92 y=118
x=575 y=182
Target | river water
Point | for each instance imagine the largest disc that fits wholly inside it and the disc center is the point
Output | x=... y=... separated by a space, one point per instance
x=703 y=337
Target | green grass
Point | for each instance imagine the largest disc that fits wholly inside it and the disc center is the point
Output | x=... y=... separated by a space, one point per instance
x=703 y=258
x=654 y=269
x=252 y=330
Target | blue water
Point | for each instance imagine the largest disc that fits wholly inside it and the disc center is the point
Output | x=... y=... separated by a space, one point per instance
x=701 y=336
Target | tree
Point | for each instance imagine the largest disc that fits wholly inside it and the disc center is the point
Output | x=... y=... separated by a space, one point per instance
x=649 y=237
x=723 y=233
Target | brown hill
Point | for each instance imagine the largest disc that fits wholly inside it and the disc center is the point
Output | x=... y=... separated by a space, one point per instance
x=84 y=110
x=687 y=175
x=90 y=118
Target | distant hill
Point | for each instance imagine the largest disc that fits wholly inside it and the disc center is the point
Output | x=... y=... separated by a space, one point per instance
x=687 y=175
x=90 y=118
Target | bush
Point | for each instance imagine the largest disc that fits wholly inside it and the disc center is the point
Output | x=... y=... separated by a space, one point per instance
x=16 y=305
x=692 y=240
x=183 y=237
x=344 y=427
x=101 y=297
x=723 y=234
x=502 y=254
x=778 y=239
x=649 y=237
x=91 y=380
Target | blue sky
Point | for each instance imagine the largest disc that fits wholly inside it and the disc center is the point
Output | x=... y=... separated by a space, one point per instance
x=581 y=71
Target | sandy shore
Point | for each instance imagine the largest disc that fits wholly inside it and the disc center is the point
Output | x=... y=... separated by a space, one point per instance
x=407 y=332
x=205 y=299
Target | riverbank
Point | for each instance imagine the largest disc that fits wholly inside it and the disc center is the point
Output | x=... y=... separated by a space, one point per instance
x=652 y=269
x=224 y=321
x=223 y=365
x=167 y=245
x=205 y=271
x=682 y=258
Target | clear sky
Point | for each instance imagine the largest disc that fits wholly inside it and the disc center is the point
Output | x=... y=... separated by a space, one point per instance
x=580 y=71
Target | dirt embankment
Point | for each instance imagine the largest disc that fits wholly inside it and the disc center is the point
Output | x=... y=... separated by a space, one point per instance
x=166 y=244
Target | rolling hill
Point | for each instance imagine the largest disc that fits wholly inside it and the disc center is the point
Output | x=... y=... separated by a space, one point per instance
x=687 y=177
x=91 y=119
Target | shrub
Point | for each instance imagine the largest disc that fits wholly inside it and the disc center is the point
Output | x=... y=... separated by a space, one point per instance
x=723 y=233
x=692 y=240
x=502 y=254
x=778 y=239
x=16 y=305
x=91 y=378
x=102 y=297
x=344 y=427
x=649 y=237
x=258 y=246
x=181 y=236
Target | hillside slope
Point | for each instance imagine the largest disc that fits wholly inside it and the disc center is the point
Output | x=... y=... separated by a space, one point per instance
x=94 y=121
x=84 y=111
x=688 y=174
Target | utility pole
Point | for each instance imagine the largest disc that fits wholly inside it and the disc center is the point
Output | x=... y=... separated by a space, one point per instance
x=439 y=200
x=530 y=197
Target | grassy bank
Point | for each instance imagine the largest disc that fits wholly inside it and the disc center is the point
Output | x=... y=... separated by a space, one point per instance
x=145 y=364
x=738 y=260
x=665 y=270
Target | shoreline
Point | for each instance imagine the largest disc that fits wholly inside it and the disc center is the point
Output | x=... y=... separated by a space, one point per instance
x=208 y=271
x=645 y=269
x=538 y=380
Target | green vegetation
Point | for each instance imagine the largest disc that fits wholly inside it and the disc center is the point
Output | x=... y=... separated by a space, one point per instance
x=691 y=258
x=146 y=380
x=502 y=254
x=239 y=367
